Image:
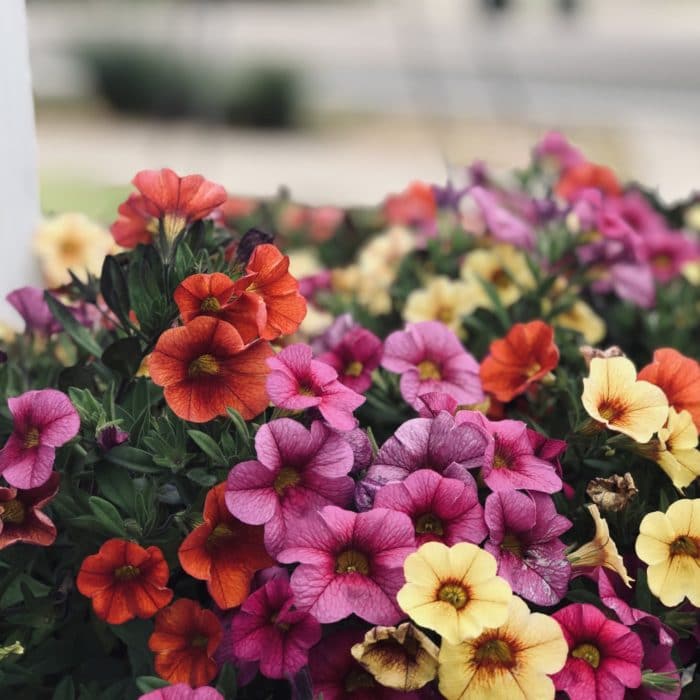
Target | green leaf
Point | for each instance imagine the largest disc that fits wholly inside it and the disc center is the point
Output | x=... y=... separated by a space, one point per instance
x=208 y=445
x=202 y=477
x=108 y=515
x=116 y=486
x=65 y=690
x=123 y=356
x=80 y=335
x=226 y=682
x=114 y=289
x=132 y=458
x=147 y=683
x=239 y=424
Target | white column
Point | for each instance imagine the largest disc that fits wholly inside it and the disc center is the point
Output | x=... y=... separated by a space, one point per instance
x=19 y=187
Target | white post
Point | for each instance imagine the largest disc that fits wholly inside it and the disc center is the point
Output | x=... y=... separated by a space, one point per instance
x=19 y=190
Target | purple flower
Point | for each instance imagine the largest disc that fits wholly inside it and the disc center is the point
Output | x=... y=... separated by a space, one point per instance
x=110 y=436
x=514 y=464
x=524 y=531
x=43 y=420
x=500 y=223
x=433 y=403
x=268 y=629
x=297 y=472
x=333 y=334
x=554 y=147
x=437 y=443
x=430 y=358
x=354 y=357
x=298 y=382
x=32 y=307
x=668 y=252
x=442 y=510
x=350 y=563
x=182 y=691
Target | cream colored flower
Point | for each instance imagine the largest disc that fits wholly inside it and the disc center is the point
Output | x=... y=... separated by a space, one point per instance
x=303 y=262
x=504 y=267
x=315 y=322
x=510 y=662
x=400 y=657
x=71 y=241
x=600 y=551
x=677 y=452
x=444 y=300
x=581 y=317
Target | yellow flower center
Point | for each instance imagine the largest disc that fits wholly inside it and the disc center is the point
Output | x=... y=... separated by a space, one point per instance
x=204 y=364
x=127 y=572
x=284 y=626
x=429 y=524
x=70 y=248
x=31 y=438
x=218 y=535
x=358 y=679
x=428 y=370
x=610 y=410
x=173 y=225
x=533 y=369
x=494 y=652
x=500 y=461
x=12 y=512
x=351 y=562
x=445 y=314
x=287 y=478
x=354 y=369
x=210 y=304
x=512 y=544
x=662 y=260
x=306 y=390
x=455 y=594
x=199 y=642
x=588 y=653
x=684 y=546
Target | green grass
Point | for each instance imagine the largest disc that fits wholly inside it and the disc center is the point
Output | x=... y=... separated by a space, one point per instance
x=63 y=194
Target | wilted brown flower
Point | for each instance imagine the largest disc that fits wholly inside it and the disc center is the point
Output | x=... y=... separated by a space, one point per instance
x=612 y=493
x=400 y=657
x=588 y=353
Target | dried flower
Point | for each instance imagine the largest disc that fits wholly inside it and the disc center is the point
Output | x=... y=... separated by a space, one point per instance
x=613 y=493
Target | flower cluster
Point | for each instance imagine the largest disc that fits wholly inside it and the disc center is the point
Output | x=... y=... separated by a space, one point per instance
x=470 y=472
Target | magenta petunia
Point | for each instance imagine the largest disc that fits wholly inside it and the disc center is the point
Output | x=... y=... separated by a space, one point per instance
x=354 y=358
x=437 y=443
x=182 y=691
x=297 y=472
x=270 y=630
x=553 y=147
x=441 y=509
x=432 y=403
x=430 y=358
x=43 y=420
x=32 y=307
x=668 y=252
x=298 y=381
x=514 y=464
x=501 y=224
x=524 y=530
x=350 y=563
x=657 y=660
x=336 y=675
x=605 y=657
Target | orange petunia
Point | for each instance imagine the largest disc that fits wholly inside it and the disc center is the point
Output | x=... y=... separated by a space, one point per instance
x=184 y=641
x=206 y=368
x=125 y=581
x=268 y=293
x=523 y=357
x=203 y=295
x=224 y=552
x=587 y=175
x=679 y=377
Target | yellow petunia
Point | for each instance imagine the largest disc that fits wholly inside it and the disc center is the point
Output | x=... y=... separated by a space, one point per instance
x=71 y=241
x=600 y=551
x=613 y=396
x=581 y=317
x=677 y=452
x=510 y=662
x=670 y=544
x=454 y=590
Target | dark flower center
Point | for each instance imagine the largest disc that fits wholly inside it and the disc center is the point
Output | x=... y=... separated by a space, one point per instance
x=210 y=304
x=218 y=535
x=427 y=369
x=70 y=248
x=610 y=410
x=429 y=524
x=685 y=546
x=204 y=364
x=358 y=679
x=445 y=314
x=500 y=278
x=588 y=653
x=305 y=389
x=199 y=642
x=287 y=478
x=127 y=572
x=455 y=594
x=512 y=544
x=12 y=511
x=354 y=369
x=31 y=438
x=350 y=562
x=495 y=652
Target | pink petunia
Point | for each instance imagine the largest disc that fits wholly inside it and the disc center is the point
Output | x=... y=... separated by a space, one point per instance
x=430 y=358
x=298 y=381
x=269 y=629
x=524 y=530
x=437 y=443
x=514 y=464
x=554 y=148
x=182 y=691
x=669 y=252
x=605 y=657
x=351 y=563
x=354 y=358
x=441 y=509
x=336 y=675
x=297 y=472
x=431 y=404
x=32 y=307
x=43 y=420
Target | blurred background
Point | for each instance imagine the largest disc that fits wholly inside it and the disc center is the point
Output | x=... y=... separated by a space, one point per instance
x=343 y=101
